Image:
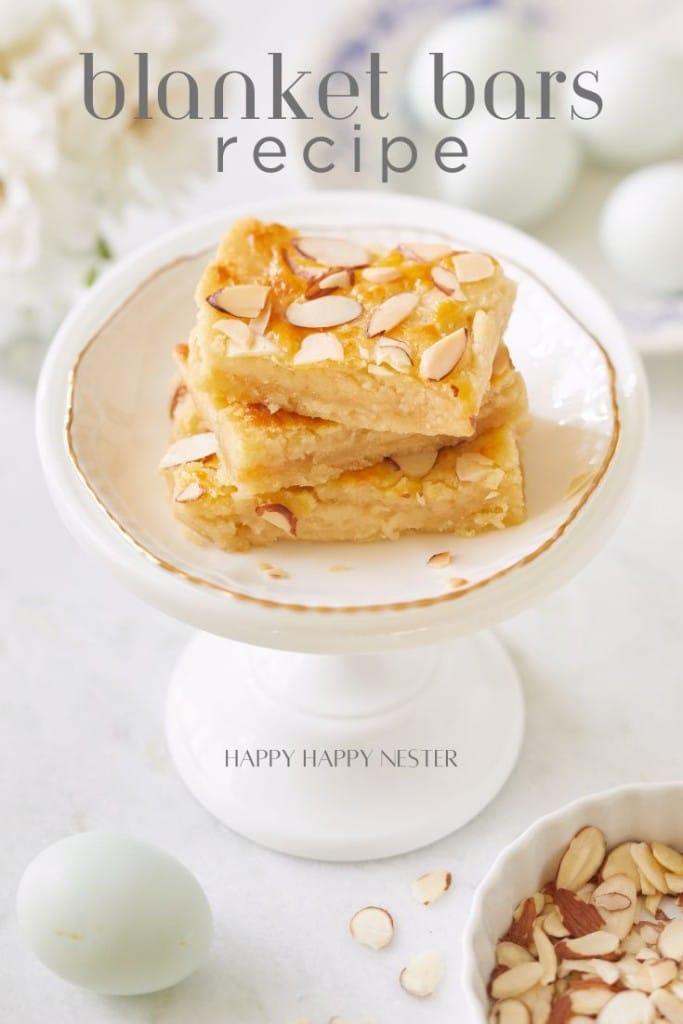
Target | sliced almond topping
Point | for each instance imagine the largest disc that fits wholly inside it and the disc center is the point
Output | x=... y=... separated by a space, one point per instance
x=600 y=943
x=440 y=560
x=627 y=1008
x=581 y=860
x=424 y=252
x=259 y=324
x=422 y=975
x=392 y=312
x=669 y=858
x=236 y=330
x=443 y=356
x=473 y=266
x=382 y=275
x=327 y=311
x=316 y=348
x=372 y=927
x=516 y=980
x=393 y=352
x=278 y=515
x=300 y=269
x=474 y=468
x=670 y=942
x=246 y=300
x=192 y=492
x=446 y=281
x=510 y=1011
x=379 y=371
x=332 y=252
x=416 y=464
x=430 y=887
x=194 y=448
x=337 y=279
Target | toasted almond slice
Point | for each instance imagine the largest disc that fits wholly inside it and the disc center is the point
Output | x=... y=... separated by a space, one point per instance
x=510 y=1011
x=192 y=492
x=650 y=870
x=259 y=324
x=278 y=515
x=327 y=311
x=446 y=281
x=473 y=266
x=393 y=352
x=432 y=886
x=510 y=954
x=316 y=348
x=194 y=448
x=443 y=356
x=422 y=975
x=600 y=943
x=670 y=943
x=392 y=312
x=620 y=862
x=472 y=467
x=300 y=269
x=670 y=859
x=440 y=560
x=237 y=331
x=337 y=279
x=582 y=858
x=627 y=1008
x=547 y=957
x=372 y=927
x=667 y=1005
x=424 y=252
x=516 y=980
x=246 y=300
x=332 y=252
x=415 y=465
x=382 y=275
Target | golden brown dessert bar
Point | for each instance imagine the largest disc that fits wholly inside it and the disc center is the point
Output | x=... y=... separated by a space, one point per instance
x=401 y=340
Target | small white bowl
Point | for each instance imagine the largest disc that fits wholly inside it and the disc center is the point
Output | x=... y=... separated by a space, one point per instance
x=646 y=812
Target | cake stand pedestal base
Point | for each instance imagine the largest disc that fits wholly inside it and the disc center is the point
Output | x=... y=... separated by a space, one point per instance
x=345 y=757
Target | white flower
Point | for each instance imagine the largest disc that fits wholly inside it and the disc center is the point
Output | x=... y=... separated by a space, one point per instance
x=20 y=224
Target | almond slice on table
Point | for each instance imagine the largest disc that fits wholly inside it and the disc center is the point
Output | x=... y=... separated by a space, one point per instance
x=424 y=252
x=315 y=348
x=443 y=356
x=581 y=859
x=446 y=281
x=278 y=515
x=415 y=465
x=372 y=927
x=422 y=975
x=382 y=275
x=473 y=266
x=510 y=1011
x=327 y=311
x=392 y=312
x=393 y=352
x=194 y=448
x=192 y=492
x=517 y=980
x=246 y=300
x=332 y=252
x=432 y=886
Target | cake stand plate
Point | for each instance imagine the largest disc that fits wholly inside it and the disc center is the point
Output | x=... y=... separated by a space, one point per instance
x=355 y=647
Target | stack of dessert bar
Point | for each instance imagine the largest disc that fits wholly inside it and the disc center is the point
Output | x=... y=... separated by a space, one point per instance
x=335 y=391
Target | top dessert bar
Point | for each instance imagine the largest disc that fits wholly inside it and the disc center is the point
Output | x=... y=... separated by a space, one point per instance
x=401 y=340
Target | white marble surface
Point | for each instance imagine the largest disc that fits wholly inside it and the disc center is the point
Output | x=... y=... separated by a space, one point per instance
x=84 y=673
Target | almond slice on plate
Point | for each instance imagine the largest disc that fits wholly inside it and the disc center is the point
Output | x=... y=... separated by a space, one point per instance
x=246 y=300
x=440 y=560
x=517 y=980
x=473 y=266
x=432 y=886
x=446 y=281
x=316 y=348
x=582 y=858
x=382 y=275
x=192 y=492
x=327 y=311
x=194 y=448
x=278 y=515
x=415 y=465
x=392 y=312
x=372 y=927
x=422 y=975
x=424 y=252
x=443 y=356
x=332 y=252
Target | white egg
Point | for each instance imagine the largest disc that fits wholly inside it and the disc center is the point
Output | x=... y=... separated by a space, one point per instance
x=518 y=171
x=479 y=42
x=641 y=228
x=641 y=121
x=113 y=914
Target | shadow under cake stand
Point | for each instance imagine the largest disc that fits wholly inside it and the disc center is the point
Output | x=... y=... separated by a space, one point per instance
x=383 y=658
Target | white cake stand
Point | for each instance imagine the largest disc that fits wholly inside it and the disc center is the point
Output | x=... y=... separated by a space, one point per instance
x=381 y=667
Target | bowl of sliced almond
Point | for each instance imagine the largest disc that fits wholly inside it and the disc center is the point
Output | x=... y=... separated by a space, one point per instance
x=581 y=918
